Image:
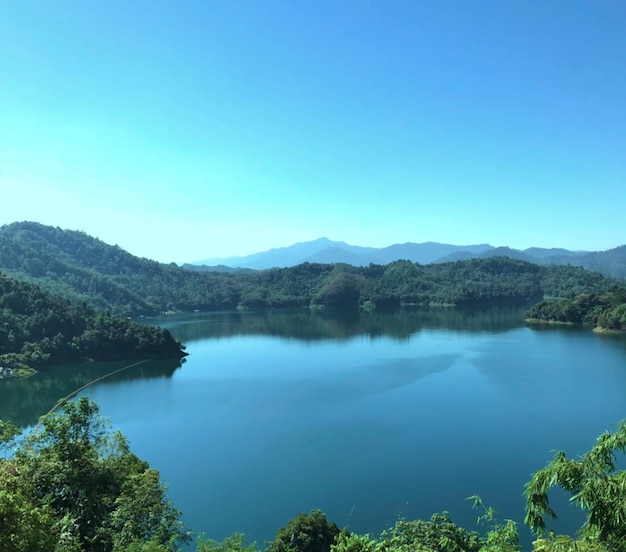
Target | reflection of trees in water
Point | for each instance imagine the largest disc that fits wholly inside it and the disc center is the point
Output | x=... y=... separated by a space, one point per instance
x=22 y=401
x=312 y=325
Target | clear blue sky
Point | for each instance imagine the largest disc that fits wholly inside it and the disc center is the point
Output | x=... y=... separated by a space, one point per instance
x=195 y=129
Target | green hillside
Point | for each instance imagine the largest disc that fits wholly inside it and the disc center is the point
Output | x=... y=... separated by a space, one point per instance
x=87 y=271
x=38 y=329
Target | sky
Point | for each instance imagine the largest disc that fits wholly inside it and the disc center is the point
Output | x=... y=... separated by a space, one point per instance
x=188 y=130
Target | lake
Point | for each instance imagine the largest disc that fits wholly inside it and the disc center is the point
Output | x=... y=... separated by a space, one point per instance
x=370 y=417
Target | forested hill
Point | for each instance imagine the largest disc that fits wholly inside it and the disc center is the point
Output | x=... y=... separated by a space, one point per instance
x=86 y=270
x=606 y=310
x=39 y=329
x=78 y=267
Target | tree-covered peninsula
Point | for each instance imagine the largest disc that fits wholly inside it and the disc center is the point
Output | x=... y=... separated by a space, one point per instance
x=39 y=329
x=605 y=311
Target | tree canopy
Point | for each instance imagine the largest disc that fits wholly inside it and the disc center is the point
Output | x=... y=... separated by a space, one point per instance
x=605 y=310
x=595 y=484
x=39 y=329
x=75 y=486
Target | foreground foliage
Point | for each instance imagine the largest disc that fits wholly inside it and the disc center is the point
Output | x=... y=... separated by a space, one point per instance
x=306 y=533
x=75 y=486
x=595 y=485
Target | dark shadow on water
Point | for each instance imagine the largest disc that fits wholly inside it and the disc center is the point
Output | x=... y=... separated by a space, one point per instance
x=377 y=378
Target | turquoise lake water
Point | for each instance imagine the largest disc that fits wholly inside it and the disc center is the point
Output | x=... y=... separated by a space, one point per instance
x=369 y=417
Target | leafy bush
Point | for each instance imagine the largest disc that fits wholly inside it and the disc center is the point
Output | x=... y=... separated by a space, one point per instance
x=440 y=534
x=306 y=533
x=595 y=485
x=232 y=543
x=74 y=486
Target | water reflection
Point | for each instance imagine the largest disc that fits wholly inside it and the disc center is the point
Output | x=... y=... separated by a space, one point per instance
x=355 y=413
x=23 y=400
x=315 y=325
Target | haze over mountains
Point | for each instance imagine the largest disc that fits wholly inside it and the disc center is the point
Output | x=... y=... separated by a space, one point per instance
x=611 y=262
x=324 y=250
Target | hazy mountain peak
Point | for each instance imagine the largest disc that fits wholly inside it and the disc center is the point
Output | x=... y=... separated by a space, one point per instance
x=325 y=250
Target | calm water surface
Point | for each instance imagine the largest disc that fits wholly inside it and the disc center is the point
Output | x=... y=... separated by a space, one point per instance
x=369 y=417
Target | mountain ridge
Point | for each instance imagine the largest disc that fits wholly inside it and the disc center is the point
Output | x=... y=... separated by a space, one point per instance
x=611 y=262
x=330 y=251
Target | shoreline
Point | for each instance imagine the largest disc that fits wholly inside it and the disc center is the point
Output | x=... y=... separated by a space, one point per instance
x=540 y=322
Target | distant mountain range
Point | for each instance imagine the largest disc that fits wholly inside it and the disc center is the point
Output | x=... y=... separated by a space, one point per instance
x=611 y=262
x=324 y=250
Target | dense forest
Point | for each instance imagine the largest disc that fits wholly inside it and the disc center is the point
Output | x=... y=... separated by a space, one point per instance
x=605 y=310
x=86 y=270
x=38 y=329
x=73 y=485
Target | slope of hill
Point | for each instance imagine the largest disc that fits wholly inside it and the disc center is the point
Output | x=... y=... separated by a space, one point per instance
x=84 y=269
x=217 y=268
x=611 y=262
x=425 y=253
x=552 y=253
x=493 y=252
x=339 y=254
